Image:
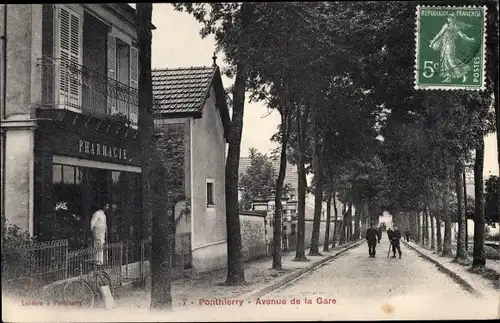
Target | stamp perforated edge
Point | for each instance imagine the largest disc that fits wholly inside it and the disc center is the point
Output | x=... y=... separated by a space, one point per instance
x=482 y=87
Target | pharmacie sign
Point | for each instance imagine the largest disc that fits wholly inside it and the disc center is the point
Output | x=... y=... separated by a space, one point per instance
x=100 y=149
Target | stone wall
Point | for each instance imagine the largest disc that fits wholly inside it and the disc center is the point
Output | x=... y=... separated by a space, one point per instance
x=253 y=235
x=322 y=229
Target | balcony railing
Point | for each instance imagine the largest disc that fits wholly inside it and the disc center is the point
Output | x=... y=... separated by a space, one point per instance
x=68 y=85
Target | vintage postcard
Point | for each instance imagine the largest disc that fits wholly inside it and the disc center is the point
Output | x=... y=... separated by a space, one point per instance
x=252 y=161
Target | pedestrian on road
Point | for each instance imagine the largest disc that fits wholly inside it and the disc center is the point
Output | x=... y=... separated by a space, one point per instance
x=389 y=234
x=396 y=236
x=379 y=233
x=407 y=234
x=372 y=236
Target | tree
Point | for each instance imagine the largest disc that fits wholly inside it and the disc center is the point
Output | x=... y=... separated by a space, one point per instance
x=461 y=254
x=259 y=179
x=318 y=175
x=285 y=113
x=492 y=204
x=478 y=256
x=154 y=179
x=235 y=28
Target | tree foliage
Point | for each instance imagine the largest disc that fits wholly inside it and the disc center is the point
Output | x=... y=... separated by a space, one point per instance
x=258 y=180
x=346 y=70
x=492 y=204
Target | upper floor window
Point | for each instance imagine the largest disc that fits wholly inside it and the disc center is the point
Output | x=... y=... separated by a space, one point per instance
x=98 y=65
x=210 y=193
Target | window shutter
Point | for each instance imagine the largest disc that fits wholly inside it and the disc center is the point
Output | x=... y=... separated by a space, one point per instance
x=112 y=107
x=134 y=83
x=70 y=54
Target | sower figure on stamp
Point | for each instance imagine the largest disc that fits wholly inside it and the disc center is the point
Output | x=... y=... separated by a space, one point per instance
x=98 y=227
x=372 y=236
x=395 y=242
x=445 y=42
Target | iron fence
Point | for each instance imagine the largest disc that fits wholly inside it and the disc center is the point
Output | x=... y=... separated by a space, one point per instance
x=52 y=263
x=45 y=261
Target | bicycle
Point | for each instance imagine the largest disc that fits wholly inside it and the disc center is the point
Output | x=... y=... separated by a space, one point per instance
x=82 y=291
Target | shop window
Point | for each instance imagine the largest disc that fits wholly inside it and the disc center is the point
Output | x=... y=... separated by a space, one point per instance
x=66 y=222
x=77 y=191
x=57 y=174
x=68 y=174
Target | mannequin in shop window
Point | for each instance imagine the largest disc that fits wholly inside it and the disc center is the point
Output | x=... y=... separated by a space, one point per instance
x=98 y=227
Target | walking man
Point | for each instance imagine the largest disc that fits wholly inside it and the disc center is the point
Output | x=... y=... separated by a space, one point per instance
x=372 y=236
x=396 y=236
x=407 y=234
x=389 y=234
x=379 y=233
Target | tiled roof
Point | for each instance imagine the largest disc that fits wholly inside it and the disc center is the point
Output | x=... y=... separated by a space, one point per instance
x=181 y=90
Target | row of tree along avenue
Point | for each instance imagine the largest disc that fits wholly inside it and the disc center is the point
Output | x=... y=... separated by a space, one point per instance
x=341 y=77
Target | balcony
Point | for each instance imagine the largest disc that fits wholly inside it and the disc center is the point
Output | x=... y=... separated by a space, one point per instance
x=71 y=86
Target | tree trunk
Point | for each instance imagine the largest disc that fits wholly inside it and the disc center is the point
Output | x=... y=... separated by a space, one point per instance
x=326 y=242
x=439 y=240
x=415 y=226
x=235 y=270
x=461 y=254
x=335 y=224
x=465 y=211
x=302 y=184
x=479 y=259
x=419 y=228
x=285 y=122
x=427 y=225
x=427 y=220
x=357 y=219
x=145 y=118
x=156 y=224
x=433 y=236
x=424 y=227
x=424 y=223
x=163 y=243
x=343 y=236
x=410 y=225
x=446 y=215
x=318 y=194
x=366 y=216
x=351 y=236
x=144 y=12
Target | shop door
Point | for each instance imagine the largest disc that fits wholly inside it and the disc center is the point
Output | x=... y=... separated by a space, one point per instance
x=96 y=190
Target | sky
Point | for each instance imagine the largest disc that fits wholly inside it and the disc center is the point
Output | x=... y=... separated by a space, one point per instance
x=177 y=43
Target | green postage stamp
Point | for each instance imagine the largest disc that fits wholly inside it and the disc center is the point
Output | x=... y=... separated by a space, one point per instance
x=450 y=48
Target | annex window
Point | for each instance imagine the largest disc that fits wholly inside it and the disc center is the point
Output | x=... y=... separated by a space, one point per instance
x=210 y=193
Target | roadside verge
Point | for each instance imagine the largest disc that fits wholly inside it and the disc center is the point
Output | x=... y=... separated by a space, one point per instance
x=446 y=266
x=298 y=273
